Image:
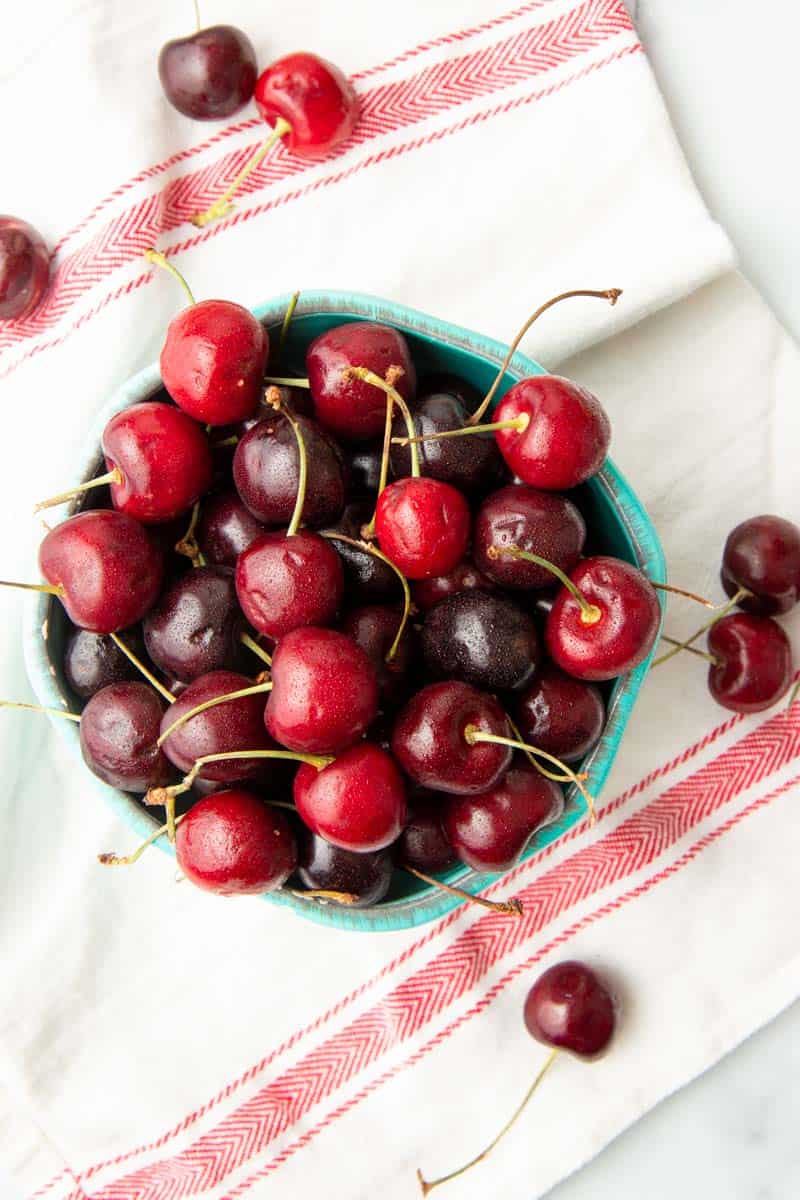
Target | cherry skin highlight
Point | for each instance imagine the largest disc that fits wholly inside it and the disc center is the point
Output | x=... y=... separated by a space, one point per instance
x=234 y=844
x=284 y=583
x=92 y=661
x=358 y=802
x=195 y=626
x=537 y=522
x=423 y=526
x=561 y=715
x=463 y=577
x=484 y=639
x=762 y=554
x=489 y=831
x=226 y=528
x=351 y=408
x=210 y=74
x=755 y=662
x=266 y=471
x=313 y=96
x=234 y=725
x=321 y=866
x=570 y=1008
x=367 y=579
x=24 y=268
x=118 y=733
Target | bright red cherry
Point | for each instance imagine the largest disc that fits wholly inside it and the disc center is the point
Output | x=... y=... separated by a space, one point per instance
x=567 y=434
x=570 y=1008
x=612 y=629
x=353 y=408
x=235 y=844
x=754 y=662
x=464 y=577
x=232 y=726
x=118 y=733
x=210 y=74
x=430 y=743
x=284 y=582
x=423 y=526
x=226 y=528
x=315 y=99
x=561 y=715
x=358 y=802
x=762 y=554
x=540 y=523
x=24 y=268
x=107 y=571
x=489 y=831
x=266 y=471
x=324 y=692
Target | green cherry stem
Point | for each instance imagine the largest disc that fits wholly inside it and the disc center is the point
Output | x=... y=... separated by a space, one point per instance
x=519 y=423
x=473 y=734
x=197 y=15
x=253 y=645
x=53 y=712
x=188 y=545
x=794 y=694
x=387 y=386
x=368 y=548
x=509 y=908
x=160 y=260
x=590 y=613
x=255 y=690
x=302 y=480
x=159 y=795
x=51 y=589
x=222 y=206
x=118 y=860
x=285 y=381
x=287 y=320
x=114 y=476
x=676 y=591
x=720 y=613
x=691 y=650
x=143 y=670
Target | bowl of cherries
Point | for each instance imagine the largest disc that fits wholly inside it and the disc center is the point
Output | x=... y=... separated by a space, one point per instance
x=350 y=608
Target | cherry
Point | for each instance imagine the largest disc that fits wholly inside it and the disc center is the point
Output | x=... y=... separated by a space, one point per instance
x=374 y=627
x=92 y=661
x=118 y=733
x=284 y=583
x=762 y=554
x=423 y=843
x=234 y=844
x=324 y=692
x=462 y=578
x=540 y=523
x=611 y=628
x=276 y=399
x=226 y=528
x=482 y=638
x=358 y=802
x=489 y=831
x=349 y=406
x=234 y=725
x=470 y=464
x=210 y=74
x=366 y=578
x=561 y=715
x=753 y=667
x=24 y=268
x=196 y=625
x=358 y=880
x=266 y=471
x=423 y=526
x=570 y=1008
x=363 y=468
x=430 y=743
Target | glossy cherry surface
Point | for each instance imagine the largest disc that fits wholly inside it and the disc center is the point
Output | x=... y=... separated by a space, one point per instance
x=164 y=458
x=195 y=626
x=423 y=526
x=755 y=662
x=213 y=359
x=429 y=740
x=489 y=831
x=118 y=733
x=24 y=268
x=226 y=528
x=762 y=554
x=471 y=464
x=358 y=802
x=423 y=843
x=366 y=578
x=364 y=469
x=93 y=660
x=561 y=715
x=324 y=691
x=570 y=1007
x=537 y=522
x=313 y=96
x=482 y=638
x=210 y=74
x=374 y=627
x=266 y=471
x=352 y=408
x=325 y=867
x=235 y=844
x=627 y=627
x=464 y=577
x=284 y=582
x=107 y=566
x=567 y=436
x=234 y=725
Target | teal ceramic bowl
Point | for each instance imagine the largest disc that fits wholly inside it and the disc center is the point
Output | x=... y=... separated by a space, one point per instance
x=617 y=523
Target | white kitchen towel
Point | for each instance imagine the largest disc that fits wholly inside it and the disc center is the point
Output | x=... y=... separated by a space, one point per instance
x=156 y=1042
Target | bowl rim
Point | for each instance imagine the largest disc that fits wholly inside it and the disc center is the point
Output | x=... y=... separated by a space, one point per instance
x=428 y=903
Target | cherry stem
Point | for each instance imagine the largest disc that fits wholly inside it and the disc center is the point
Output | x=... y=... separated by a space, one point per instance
x=519 y=423
x=52 y=589
x=158 y=795
x=160 y=260
x=287 y=320
x=325 y=894
x=554 y=775
x=285 y=381
x=509 y=908
x=137 y=662
x=228 y=441
x=116 y=860
x=188 y=545
x=253 y=645
x=473 y=734
x=302 y=480
x=114 y=476
x=255 y=690
x=429 y=1186
x=590 y=613
x=54 y=712
x=612 y=295
x=222 y=206
x=676 y=591
x=794 y=694
x=197 y=15
x=387 y=386
x=692 y=650
x=368 y=548
x=721 y=612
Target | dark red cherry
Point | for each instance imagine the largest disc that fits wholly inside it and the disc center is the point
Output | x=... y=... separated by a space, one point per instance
x=489 y=831
x=24 y=268
x=561 y=715
x=429 y=740
x=210 y=74
x=234 y=725
x=541 y=523
x=423 y=843
x=763 y=555
x=226 y=528
x=482 y=638
x=423 y=526
x=624 y=632
x=164 y=459
x=570 y=1008
x=364 y=469
x=108 y=569
x=566 y=439
x=284 y=582
x=324 y=692
x=374 y=628
x=312 y=96
x=463 y=577
x=366 y=578
x=213 y=359
x=471 y=464
x=118 y=732
x=754 y=662
x=358 y=802
x=266 y=471
x=297 y=400
x=352 y=408
x=195 y=626
x=321 y=866
x=235 y=844
x=92 y=661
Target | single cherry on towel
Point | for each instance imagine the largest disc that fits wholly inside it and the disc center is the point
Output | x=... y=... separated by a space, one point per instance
x=337 y=876
x=358 y=802
x=751 y=665
x=210 y=74
x=24 y=268
x=349 y=406
x=118 y=734
x=423 y=526
x=762 y=554
x=540 y=523
x=235 y=844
